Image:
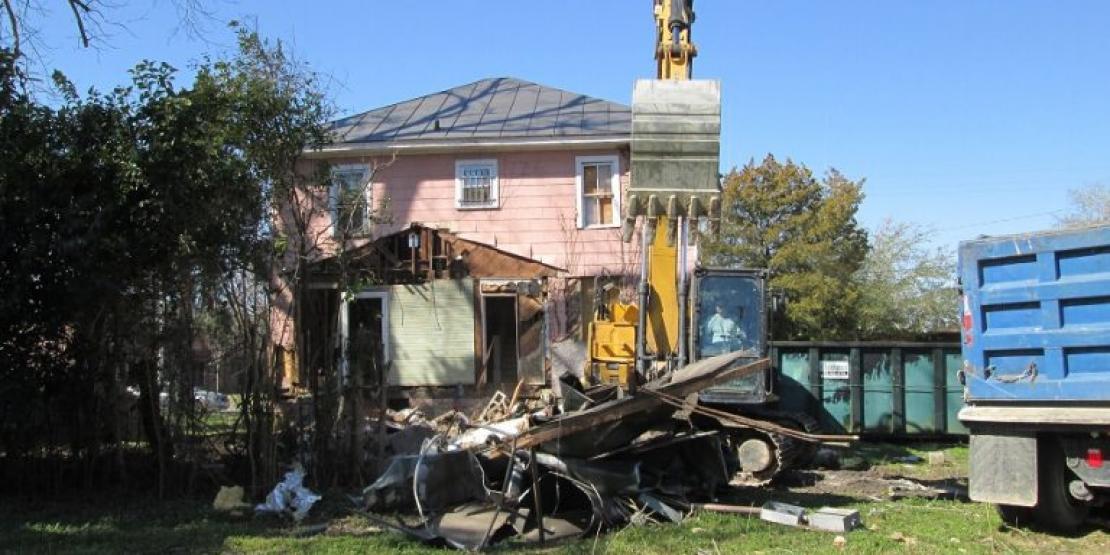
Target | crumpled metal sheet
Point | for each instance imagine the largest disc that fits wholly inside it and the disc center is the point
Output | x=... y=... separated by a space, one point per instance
x=408 y=440
x=622 y=460
x=446 y=479
x=607 y=478
x=472 y=526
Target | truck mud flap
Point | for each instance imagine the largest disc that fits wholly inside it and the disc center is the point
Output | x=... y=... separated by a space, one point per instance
x=1004 y=469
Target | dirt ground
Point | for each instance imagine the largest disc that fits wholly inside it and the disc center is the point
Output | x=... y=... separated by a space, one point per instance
x=878 y=473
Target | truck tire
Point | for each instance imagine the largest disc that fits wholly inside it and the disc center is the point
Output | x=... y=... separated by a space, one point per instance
x=1056 y=510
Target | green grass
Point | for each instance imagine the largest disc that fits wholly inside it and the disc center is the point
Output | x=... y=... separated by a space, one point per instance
x=92 y=526
x=884 y=458
x=910 y=525
x=924 y=526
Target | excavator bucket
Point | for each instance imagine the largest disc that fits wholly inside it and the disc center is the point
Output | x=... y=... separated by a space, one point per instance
x=676 y=151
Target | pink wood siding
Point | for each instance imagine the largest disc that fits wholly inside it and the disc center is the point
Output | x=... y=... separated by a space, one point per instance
x=537 y=217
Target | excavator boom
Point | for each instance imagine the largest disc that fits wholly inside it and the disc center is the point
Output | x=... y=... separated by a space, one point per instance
x=675 y=159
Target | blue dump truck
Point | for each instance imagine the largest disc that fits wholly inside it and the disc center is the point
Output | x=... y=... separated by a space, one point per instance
x=1036 y=370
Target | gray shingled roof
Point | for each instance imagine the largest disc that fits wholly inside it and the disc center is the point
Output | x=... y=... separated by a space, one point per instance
x=494 y=108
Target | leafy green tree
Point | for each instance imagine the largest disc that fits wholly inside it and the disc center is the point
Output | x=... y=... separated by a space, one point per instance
x=124 y=216
x=907 y=289
x=778 y=216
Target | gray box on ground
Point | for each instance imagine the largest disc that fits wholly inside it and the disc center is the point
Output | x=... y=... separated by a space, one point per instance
x=835 y=520
x=782 y=513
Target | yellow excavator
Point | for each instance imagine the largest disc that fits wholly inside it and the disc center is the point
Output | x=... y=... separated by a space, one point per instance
x=675 y=185
x=675 y=154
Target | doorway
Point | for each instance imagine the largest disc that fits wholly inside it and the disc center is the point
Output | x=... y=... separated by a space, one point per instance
x=368 y=345
x=500 y=338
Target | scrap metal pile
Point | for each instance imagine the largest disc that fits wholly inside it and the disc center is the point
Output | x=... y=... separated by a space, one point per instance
x=595 y=461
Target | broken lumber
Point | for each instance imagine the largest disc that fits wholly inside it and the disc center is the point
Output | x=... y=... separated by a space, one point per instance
x=722 y=508
x=728 y=418
x=691 y=379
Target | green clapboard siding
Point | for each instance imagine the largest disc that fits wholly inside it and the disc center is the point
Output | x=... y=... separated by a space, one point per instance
x=431 y=333
x=878 y=393
x=920 y=391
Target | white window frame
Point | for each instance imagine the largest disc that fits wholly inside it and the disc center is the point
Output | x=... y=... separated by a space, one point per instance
x=614 y=182
x=334 y=195
x=495 y=184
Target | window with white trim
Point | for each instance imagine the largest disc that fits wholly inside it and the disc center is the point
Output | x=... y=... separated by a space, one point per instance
x=476 y=184
x=599 y=191
x=351 y=196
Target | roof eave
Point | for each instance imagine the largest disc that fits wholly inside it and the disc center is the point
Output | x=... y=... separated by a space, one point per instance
x=468 y=145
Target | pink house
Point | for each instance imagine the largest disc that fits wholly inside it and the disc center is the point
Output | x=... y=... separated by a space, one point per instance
x=487 y=210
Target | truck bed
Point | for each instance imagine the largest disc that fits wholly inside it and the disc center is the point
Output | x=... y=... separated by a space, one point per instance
x=1036 y=317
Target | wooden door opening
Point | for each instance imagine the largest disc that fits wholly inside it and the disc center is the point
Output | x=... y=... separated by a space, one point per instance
x=500 y=338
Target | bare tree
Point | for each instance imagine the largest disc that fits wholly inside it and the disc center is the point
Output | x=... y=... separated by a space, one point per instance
x=21 y=20
x=1088 y=205
x=907 y=287
x=320 y=216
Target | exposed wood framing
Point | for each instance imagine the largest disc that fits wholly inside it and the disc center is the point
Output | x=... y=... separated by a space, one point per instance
x=441 y=255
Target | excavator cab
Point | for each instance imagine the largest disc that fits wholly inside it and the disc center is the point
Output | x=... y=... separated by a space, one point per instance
x=728 y=314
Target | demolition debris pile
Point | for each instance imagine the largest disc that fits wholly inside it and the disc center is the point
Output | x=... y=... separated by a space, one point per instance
x=596 y=461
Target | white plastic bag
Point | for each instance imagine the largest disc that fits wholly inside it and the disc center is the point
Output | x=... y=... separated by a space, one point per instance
x=290 y=495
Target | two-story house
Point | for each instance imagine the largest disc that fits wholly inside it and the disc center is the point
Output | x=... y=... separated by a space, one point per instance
x=485 y=211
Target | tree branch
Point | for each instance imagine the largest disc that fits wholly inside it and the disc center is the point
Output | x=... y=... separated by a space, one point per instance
x=15 y=27
x=77 y=5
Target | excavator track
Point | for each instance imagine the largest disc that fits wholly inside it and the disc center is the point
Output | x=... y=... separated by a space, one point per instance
x=763 y=456
x=810 y=425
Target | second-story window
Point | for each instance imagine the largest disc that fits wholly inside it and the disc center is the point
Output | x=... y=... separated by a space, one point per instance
x=598 y=184
x=476 y=184
x=350 y=200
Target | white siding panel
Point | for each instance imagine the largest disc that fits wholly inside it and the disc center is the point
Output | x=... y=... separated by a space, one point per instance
x=431 y=333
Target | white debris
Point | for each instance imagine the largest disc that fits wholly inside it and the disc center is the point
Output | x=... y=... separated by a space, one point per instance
x=480 y=435
x=290 y=495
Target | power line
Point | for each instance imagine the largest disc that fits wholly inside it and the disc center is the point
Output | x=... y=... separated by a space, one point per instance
x=1004 y=220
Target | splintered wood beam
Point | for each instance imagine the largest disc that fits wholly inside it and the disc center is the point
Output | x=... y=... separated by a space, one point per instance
x=735 y=420
x=691 y=379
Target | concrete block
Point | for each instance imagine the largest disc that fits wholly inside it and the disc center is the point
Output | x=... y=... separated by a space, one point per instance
x=835 y=520
x=782 y=513
x=937 y=458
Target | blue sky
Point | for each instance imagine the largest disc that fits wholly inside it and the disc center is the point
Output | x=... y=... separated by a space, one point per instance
x=972 y=117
